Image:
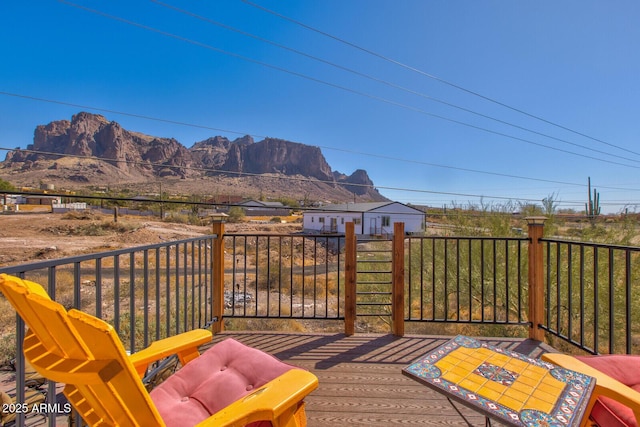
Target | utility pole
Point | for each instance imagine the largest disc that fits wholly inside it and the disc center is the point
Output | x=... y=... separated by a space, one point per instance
x=161 y=203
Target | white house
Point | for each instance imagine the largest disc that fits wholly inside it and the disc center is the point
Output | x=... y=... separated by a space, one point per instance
x=369 y=218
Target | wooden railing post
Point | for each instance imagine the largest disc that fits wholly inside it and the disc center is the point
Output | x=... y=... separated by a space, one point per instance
x=397 y=269
x=350 y=267
x=217 y=299
x=536 y=277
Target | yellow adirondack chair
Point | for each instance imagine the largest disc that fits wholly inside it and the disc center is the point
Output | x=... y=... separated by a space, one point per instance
x=615 y=401
x=104 y=384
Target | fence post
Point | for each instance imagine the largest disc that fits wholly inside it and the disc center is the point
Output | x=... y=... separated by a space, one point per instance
x=350 y=267
x=397 y=273
x=536 y=277
x=217 y=297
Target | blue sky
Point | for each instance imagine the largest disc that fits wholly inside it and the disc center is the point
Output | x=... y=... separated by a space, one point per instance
x=402 y=104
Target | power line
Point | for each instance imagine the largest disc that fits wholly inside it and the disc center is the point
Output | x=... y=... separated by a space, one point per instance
x=419 y=162
x=386 y=157
x=178 y=167
x=300 y=179
x=470 y=212
x=122 y=113
x=224 y=130
x=336 y=86
x=431 y=76
x=488 y=173
x=180 y=123
x=379 y=80
x=250 y=174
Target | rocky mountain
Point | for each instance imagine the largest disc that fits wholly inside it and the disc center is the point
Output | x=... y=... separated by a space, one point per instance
x=359 y=179
x=90 y=149
x=92 y=135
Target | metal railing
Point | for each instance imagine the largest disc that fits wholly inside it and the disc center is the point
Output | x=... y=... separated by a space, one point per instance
x=443 y=280
x=587 y=288
x=374 y=285
x=284 y=276
x=466 y=280
x=591 y=301
x=146 y=293
x=155 y=291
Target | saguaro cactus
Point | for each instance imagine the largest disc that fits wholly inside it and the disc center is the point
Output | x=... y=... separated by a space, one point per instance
x=592 y=207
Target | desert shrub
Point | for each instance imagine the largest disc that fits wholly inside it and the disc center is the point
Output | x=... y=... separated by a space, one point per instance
x=236 y=214
x=623 y=232
x=92 y=228
x=6 y=185
x=181 y=218
x=7 y=348
x=81 y=215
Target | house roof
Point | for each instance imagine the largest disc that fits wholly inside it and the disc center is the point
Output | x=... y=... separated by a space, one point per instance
x=259 y=203
x=355 y=207
x=360 y=207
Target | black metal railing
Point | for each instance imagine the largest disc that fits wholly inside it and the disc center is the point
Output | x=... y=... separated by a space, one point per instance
x=154 y=291
x=284 y=276
x=592 y=298
x=146 y=293
x=466 y=280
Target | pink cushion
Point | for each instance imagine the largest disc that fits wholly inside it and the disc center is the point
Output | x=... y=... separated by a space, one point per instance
x=223 y=374
x=624 y=368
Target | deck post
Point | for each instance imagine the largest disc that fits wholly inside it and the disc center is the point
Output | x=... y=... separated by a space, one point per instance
x=350 y=266
x=397 y=269
x=536 y=277
x=217 y=297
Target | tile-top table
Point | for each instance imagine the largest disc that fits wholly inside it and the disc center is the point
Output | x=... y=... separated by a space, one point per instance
x=504 y=385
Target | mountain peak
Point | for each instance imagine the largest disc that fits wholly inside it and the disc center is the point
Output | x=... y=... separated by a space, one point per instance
x=121 y=155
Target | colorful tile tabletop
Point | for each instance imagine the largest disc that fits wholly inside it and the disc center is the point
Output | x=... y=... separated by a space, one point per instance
x=505 y=385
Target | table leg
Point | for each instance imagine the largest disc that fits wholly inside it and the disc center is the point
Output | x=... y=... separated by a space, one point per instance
x=487 y=420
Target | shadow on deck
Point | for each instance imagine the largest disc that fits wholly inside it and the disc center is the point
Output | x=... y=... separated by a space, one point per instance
x=361 y=381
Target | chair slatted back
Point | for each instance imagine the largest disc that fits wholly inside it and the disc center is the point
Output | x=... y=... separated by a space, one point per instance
x=83 y=352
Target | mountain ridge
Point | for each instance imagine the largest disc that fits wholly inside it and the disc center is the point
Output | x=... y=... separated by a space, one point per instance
x=90 y=150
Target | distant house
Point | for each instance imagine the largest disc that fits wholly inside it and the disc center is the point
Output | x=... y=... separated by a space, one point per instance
x=260 y=208
x=38 y=200
x=369 y=218
x=66 y=207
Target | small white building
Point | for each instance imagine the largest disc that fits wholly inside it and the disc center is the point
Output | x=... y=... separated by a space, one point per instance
x=66 y=207
x=369 y=218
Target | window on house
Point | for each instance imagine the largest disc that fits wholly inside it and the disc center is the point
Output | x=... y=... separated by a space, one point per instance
x=321 y=219
x=341 y=220
x=386 y=221
x=313 y=219
x=356 y=221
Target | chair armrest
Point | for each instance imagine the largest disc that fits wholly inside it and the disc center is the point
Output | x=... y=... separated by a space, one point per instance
x=184 y=345
x=605 y=385
x=278 y=397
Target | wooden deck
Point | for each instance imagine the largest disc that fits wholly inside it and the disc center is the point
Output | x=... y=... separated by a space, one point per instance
x=361 y=381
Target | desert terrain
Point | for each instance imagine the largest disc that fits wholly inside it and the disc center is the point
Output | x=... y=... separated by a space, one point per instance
x=31 y=237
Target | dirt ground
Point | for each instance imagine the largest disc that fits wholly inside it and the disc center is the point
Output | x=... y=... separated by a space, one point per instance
x=31 y=237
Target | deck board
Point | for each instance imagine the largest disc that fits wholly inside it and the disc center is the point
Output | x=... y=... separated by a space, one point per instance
x=361 y=381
